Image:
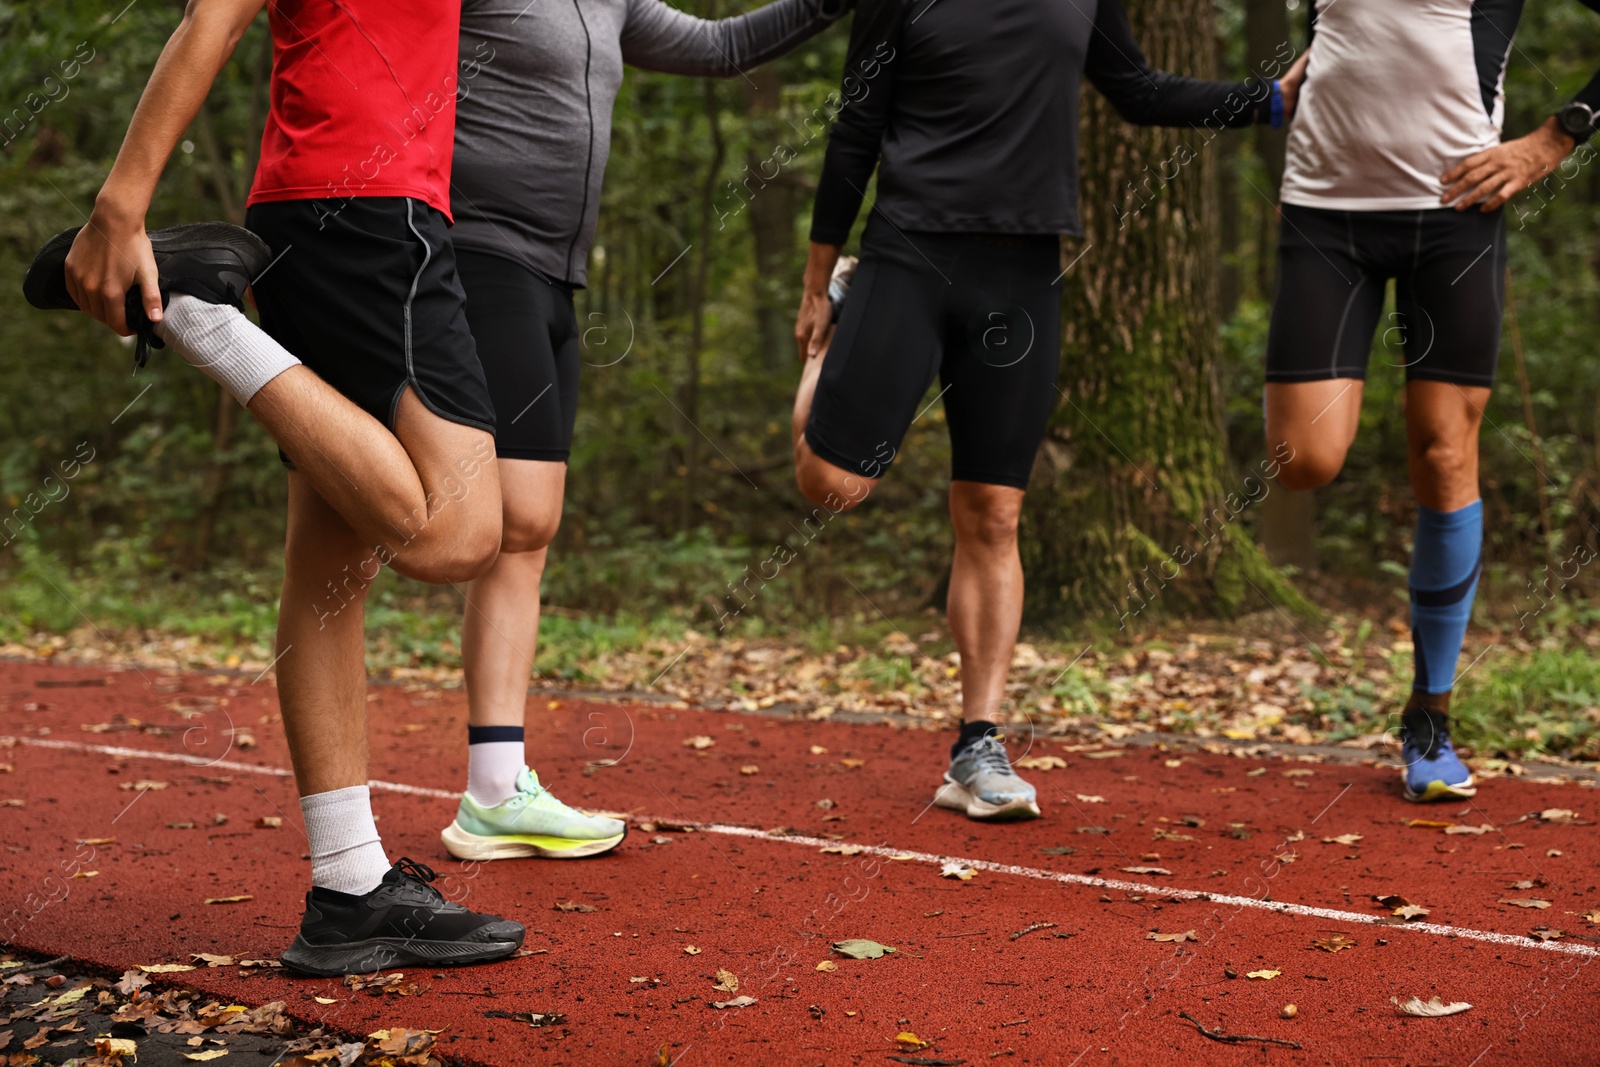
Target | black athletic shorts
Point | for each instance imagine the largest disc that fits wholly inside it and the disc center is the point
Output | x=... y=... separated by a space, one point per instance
x=530 y=347
x=1333 y=268
x=364 y=292
x=982 y=312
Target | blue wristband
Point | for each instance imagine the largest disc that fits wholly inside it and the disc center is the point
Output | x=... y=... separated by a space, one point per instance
x=1277 y=105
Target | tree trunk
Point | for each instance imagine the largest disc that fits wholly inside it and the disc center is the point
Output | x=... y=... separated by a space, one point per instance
x=773 y=203
x=1133 y=506
x=690 y=393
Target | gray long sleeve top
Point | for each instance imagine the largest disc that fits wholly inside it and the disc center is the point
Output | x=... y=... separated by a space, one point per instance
x=533 y=115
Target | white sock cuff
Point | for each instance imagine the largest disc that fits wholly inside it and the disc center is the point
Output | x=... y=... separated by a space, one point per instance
x=219 y=340
x=346 y=853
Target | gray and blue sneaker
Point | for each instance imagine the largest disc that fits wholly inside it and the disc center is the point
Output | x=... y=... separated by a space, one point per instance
x=532 y=822
x=1433 y=771
x=981 y=783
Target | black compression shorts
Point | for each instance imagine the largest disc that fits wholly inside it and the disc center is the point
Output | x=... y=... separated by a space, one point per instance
x=364 y=292
x=1333 y=268
x=981 y=312
x=530 y=347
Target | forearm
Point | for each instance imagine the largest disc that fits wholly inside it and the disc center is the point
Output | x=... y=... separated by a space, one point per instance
x=820 y=260
x=183 y=75
x=661 y=38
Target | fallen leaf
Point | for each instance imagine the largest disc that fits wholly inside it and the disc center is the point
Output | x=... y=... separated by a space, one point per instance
x=750 y=768
x=1591 y=916
x=853 y=763
x=1462 y=829
x=1263 y=975
x=240 y=899
x=1342 y=839
x=1402 y=907
x=87 y=874
x=699 y=741
x=1090 y=798
x=131 y=983
x=909 y=1041
x=827 y=965
x=1184 y=935
x=860 y=949
x=1041 y=763
x=1544 y=933
x=1429 y=824
x=727 y=982
x=532 y=1018
x=572 y=905
x=269 y=822
x=955 y=869
x=164 y=968
x=845 y=850
x=1429 y=1009
x=1333 y=944
x=818 y=750
x=1524 y=884
x=212 y=960
x=1113 y=754
x=1527 y=902
x=143 y=784
x=736 y=1002
x=1299 y=772
x=1411 y=911
x=208 y=1054
x=108 y=1047
x=1147 y=870
x=1558 y=815
x=1058 y=850
x=96 y=840
x=326 y=1000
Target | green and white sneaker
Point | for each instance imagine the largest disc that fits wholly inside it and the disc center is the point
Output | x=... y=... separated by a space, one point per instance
x=530 y=823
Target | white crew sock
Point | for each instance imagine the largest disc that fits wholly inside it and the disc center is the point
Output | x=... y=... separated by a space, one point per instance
x=220 y=341
x=346 y=854
x=492 y=769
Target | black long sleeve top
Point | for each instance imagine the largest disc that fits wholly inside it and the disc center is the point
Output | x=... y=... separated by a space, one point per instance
x=969 y=111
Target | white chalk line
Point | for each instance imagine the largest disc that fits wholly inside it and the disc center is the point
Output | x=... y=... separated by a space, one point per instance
x=1309 y=911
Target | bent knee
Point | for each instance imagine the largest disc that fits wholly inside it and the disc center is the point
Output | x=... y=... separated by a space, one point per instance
x=1311 y=467
x=526 y=532
x=832 y=487
x=459 y=557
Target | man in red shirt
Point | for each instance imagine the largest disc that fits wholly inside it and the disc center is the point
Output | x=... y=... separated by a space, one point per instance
x=364 y=372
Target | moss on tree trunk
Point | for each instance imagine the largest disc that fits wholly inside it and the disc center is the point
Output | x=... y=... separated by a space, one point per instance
x=1134 y=508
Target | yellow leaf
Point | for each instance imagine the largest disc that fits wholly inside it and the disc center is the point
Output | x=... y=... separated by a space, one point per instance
x=1263 y=975
x=87 y=874
x=164 y=968
x=208 y=1054
x=228 y=900
x=907 y=1040
x=827 y=965
x=326 y=1000
x=1041 y=763
x=691 y=950
x=699 y=741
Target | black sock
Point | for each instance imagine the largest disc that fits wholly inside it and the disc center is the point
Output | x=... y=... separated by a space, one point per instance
x=971 y=732
x=323 y=895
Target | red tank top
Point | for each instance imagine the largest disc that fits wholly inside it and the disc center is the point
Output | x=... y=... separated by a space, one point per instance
x=362 y=100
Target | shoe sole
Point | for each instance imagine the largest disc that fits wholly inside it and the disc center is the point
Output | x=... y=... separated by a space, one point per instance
x=958 y=797
x=464 y=845
x=1437 y=790
x=44 y=286
x=382 y=953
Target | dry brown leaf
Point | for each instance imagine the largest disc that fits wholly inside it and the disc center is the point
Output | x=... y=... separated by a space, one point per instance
x=827 y=965
x=699 y=741
x=1463 y=829
x=1342 y=839
x=1147 y=870
x=1265 y=976
x=573 y=905
x=853 y=763
x=1182 y=935
x=1429 y=824
x=1042 y=763
x=736 y=1002
x=269 y=822
x=1411 y=911
x=213 y=960
x=1091 y=798
x=143 y=784
x=164 y=968
x=727 y=982
x=908 y=1041
x=1333 y=944
x=1527 y=902
x=956 y=869
x=1429 y=1009
x=750 y=768
x=240 y=899
x=692 y=950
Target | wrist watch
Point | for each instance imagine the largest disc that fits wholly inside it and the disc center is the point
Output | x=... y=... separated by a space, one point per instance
x=1576 y=121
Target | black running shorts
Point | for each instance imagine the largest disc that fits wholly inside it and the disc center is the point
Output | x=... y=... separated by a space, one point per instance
x=530 y=347
x=364 y=292
x=1333 y=268
x=980 y=312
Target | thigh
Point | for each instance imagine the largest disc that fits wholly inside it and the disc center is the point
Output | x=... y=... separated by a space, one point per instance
x=1451 y=300
x=523 y=326
x=1328 y=300
x=1001 y=356
x=884 y=356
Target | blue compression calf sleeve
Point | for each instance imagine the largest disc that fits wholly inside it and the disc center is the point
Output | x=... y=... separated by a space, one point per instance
x=1445 y=559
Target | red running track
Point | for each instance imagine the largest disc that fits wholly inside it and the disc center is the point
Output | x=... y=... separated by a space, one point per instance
x=1092 y=989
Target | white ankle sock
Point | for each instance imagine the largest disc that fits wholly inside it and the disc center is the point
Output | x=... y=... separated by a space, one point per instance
x=220 y=341
x=346 y=854
x=492 y=769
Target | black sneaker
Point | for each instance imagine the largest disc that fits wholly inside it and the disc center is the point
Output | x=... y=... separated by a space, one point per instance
x=214 y=261
x=403 y=922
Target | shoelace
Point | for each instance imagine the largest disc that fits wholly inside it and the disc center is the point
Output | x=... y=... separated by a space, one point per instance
x=144 y=331
x=990 y=755
x=1438 y=740
x=419 y=875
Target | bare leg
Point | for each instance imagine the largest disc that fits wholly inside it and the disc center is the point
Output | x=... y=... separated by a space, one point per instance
x=1442 y=423
x=500 y=631
x=322 y=678
x=985 y=599
x=1310 y=427
x=425 y=499
x=820 y=481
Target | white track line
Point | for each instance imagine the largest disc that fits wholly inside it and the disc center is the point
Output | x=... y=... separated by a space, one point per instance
x=1572 y=948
